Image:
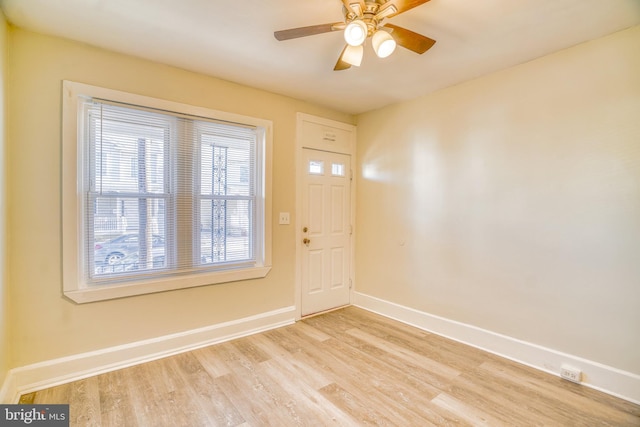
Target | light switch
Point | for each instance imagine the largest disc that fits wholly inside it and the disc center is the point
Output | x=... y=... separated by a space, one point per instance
x=284 y=218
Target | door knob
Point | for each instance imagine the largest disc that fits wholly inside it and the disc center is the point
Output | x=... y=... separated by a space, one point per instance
x=306 y=241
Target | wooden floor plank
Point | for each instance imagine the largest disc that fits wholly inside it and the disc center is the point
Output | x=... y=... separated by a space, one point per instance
x=294 y=383
x=116 y=404
x=365 y=413
x=349 y=367
x=214 y=365
x=60 y=394
x=27 y=398
x=477 y=416
x=206 y=392
x=85 y=398
x=405 y=354
x=581 y=410
x=488 y=391
x=399 y=395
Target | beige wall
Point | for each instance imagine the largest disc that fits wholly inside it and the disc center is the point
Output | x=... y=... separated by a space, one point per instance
x=512 y=202
x=4 y=306
x=44 y=324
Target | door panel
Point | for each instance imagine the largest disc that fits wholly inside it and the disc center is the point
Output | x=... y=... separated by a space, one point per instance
x=337 y=210
x=316 y=271
x=327 y=240
x=337 y=268
x=316 y=210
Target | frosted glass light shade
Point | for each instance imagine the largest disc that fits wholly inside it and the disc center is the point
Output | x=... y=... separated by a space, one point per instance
x=353 y=55
x=383 y=43
x=355 y=33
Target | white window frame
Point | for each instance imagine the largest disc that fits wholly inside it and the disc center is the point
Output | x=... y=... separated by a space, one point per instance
x=74 y=252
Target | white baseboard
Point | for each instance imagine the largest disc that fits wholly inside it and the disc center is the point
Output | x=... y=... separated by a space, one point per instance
x=50 y=373
x=610 y=380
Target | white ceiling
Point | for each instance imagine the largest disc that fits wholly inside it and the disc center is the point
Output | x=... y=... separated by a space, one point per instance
x=233 y=40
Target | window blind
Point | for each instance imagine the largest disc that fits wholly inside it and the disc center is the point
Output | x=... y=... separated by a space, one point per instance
x=166 y=193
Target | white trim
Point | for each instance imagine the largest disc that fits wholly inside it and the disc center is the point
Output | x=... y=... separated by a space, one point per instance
x=50 y=373
x=105 y=292
x=73 y=257
x=610 y=380
x=8 y=392
x=351 y=150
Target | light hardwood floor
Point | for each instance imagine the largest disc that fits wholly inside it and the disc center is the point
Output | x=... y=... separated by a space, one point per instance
x=348 y=367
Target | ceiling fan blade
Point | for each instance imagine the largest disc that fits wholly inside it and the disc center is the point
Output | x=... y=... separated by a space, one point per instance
x=350 y=9
x=311 y=30
x=347 y=5
x=410 y=40
x=400 y=6
x=341 y=64
x=362 y=4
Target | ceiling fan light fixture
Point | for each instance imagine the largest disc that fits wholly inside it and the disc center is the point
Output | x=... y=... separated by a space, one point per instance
x=353 y=55
x=356 y=32
x=383 y=43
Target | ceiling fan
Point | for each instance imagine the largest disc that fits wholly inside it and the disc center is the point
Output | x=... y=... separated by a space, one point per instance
x=364 y=19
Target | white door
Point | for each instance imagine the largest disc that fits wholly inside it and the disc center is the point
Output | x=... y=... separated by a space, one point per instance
x=326 y=249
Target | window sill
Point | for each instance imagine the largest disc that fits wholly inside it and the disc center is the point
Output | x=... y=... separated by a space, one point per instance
x=107 y=292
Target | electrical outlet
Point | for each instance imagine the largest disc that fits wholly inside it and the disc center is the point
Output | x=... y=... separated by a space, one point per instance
x=570 y=373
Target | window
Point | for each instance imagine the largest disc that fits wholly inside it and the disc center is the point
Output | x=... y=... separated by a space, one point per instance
x=316 y=167
x=159 y=195
x=337 y=169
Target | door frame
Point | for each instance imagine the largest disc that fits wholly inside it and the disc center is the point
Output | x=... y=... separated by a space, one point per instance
x=327 y=143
